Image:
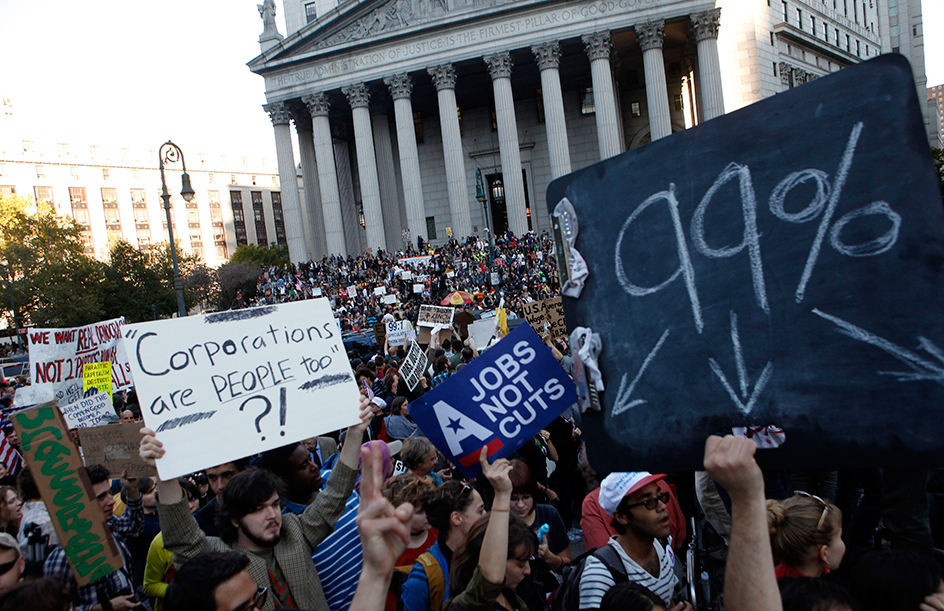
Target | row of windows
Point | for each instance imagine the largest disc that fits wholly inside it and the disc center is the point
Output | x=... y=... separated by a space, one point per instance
x=135 y=175
x=836 y=41
x=258 y=212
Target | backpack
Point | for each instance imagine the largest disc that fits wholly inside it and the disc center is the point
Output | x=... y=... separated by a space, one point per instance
x=436 y=580
x=567 y=597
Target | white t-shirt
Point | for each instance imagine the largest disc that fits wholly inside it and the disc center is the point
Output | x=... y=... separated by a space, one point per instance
x=596 y=579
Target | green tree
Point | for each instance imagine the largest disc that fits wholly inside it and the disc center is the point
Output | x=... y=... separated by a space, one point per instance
x=133 y=286
x=274 y=254
x=233 y=277
x=54 y=283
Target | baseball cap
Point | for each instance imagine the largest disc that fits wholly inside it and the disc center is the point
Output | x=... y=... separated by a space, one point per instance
x=616 y=486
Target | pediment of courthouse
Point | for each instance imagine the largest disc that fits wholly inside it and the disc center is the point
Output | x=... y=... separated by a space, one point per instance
x=371 y=40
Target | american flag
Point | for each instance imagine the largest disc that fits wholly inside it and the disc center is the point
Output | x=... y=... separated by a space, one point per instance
x=9 y=456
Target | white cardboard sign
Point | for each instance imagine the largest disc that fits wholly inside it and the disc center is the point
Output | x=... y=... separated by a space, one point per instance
x=431 y=315
x=352 y=292
x=223 y=386
x=413 y=365
x=399 y=332
x=57 y=357
x=390 y=299
x=417 y=288
x=380 y=290
x=92 y=410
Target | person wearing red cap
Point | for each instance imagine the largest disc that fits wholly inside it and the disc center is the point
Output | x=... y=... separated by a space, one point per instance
x=641 y=520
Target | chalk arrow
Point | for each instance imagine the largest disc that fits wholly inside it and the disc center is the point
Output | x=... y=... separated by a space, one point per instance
x=622 y=402
x=744 y=382
x=923 y=368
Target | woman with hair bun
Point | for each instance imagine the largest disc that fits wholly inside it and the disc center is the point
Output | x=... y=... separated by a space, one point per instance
x=805 y=535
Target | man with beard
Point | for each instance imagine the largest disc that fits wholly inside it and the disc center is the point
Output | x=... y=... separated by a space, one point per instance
x=251 y=522
x=642 y=543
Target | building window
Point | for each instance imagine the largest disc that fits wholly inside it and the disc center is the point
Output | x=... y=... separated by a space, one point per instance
x=81 y=216
x=239 y=220
x=63 y=148
x=258 y=214
x=813 y=25
x=109 y=195
x=857 y=49
x=77 y=197
x=772 y=43
x=785 y=12
x=3 y=169
x=212 y=178
x=111 y=215
x=275 y=181
x=848 y=46
x=254 y=181
x=144 y=239
x=7 y=190
x=27 y=146
x=75 y=172
x=213 y=197
x=93 y=150
x=431 y=227
x=124 y=154
x=278 y=217
x=678 y=101
x=221 y=253
x=232 y=179
x=775 y=68
x=43 y=194
x=106 y=174
x=637 y=112
x=135 y=175
x=141 y=216
x=193 y=216
x=587 y=106
x=311 y=12
x=800 y=19
x=40 y=171
x=137 y=198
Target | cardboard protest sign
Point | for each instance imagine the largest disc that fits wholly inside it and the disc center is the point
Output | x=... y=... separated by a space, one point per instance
x=431 y=315
x=116 y=447
x=482 y=331
x=500 y=400
x=93 y=410
x=57 y=468
x=407 y=275
x=97 y=376
x=352 y=292
x=380 y=290
x=222 y=386
x=424 y=335
x=316 y=292
x=397 y=332
x=413 y=365
x=58 y=356
x=757 y=273
x=390 y=299
x=417 y=288
x=547 y=314
x=380 y=332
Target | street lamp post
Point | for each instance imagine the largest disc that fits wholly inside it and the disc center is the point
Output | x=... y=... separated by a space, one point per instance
x=170 y=153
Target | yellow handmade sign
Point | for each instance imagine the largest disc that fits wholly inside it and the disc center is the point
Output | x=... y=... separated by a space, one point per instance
x=97 y=375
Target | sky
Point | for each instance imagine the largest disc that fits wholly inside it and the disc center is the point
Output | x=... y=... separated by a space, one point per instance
x=134 y=74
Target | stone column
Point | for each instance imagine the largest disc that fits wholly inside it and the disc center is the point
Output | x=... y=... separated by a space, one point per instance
x=547 y=56
x=312 y=219
x=318 y=106
x=598 y=48
x=291 y=209
x=444 y=77
x=359 y=99
x=401 y=86
x=709 y=66
x=499 y=67
x=650 y=38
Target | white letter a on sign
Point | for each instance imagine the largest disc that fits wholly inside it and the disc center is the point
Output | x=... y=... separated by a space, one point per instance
x=456 y=427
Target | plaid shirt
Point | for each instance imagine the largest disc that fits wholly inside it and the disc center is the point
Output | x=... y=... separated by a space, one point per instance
x=440 y=377
x=115 y=584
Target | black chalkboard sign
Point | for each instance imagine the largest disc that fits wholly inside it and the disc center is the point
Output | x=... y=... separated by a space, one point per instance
x=781 y=264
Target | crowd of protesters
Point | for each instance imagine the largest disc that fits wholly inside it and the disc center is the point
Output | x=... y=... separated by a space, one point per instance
x=375 y=517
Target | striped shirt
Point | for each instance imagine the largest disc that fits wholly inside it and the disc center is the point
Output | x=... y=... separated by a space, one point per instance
x=596 y=578
x=338 y=558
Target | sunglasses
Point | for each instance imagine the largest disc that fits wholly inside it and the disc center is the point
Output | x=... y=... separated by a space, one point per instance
x=6 y=566
x=651 y=504
x=465 y=489
x=257 y=601
x=822 y=518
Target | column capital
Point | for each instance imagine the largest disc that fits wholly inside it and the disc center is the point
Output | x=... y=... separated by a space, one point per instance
x=400 y=85
x=597 y=45
x=279 y=113
x=706 y=24
x=650 y=35
x=444 y=76
x=547 y=55
x=357 y=95
x=499 y=65
x=318 y=104
x=302 y=119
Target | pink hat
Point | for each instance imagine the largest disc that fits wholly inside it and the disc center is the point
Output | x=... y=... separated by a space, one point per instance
x=616 y=486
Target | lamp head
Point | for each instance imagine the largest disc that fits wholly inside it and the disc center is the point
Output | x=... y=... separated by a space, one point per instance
x=186 y=190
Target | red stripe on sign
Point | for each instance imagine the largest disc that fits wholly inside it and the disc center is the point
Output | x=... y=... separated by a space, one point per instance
x=470 y=459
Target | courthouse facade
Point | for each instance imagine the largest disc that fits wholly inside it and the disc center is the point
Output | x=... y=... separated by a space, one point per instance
x=399 y=106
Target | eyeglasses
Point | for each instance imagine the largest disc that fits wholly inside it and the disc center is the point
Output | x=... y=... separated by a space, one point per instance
x=6 y=566
x=822 y=518
x=524 y=498
x=652 y=503
x=257 y=601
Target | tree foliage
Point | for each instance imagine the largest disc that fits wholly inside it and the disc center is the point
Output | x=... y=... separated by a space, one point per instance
x=274 y=254
x=56 y=285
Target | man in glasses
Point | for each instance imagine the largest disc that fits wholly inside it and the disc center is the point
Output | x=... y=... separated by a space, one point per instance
x=215 y=581
x=642 y=545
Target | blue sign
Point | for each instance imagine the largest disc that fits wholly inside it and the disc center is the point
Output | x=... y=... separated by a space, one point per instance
x=499 y=401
